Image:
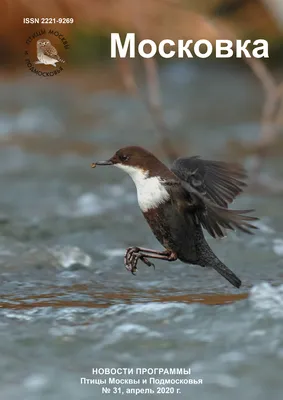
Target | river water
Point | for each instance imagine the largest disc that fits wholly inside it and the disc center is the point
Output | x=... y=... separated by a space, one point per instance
x=69 y=306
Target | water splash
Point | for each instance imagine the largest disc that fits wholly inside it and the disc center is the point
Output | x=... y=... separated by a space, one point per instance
x=267 y=299
x=67 y=256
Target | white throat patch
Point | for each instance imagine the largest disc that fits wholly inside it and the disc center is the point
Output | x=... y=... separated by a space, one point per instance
x=150 y=191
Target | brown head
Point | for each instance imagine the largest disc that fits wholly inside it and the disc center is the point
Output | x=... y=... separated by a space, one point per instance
x=42 y=43
x=135 y=158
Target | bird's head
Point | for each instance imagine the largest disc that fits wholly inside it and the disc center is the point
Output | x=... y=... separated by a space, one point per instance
x=134 y=160
x=43 y=42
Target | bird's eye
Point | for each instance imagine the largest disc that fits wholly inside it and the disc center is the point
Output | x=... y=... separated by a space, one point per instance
x=124 y=157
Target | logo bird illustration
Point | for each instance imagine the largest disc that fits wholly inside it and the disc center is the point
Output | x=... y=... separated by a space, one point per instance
x=46 y=53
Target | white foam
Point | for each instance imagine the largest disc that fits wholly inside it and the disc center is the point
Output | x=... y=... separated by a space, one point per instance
x=268 y=299
x=68 y=256
x=278 y=246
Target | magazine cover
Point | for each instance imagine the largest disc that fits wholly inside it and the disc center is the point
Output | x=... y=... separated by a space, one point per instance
x=141 y=223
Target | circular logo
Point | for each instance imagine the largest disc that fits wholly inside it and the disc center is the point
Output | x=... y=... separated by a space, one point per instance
x=45 y=52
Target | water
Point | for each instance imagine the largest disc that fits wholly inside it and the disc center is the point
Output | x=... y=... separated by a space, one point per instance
x=67 y=303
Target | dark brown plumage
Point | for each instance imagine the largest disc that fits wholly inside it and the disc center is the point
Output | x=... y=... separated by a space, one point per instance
x=213 y=185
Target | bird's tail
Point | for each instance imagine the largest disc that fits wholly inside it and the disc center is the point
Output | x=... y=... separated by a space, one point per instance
x=226 y=272
x=208 y=259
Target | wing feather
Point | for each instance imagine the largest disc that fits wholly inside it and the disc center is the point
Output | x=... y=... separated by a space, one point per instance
x=209 y=187
x=220 y=182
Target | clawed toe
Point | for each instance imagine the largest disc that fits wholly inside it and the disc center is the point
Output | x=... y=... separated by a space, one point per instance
x=147 y=262
x=134 y=254
x=130 y=253
x=131 y=259
x=131 y=269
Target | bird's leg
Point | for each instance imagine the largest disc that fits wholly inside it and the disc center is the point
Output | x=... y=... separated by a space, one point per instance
x=135 y=249
x=134 y=254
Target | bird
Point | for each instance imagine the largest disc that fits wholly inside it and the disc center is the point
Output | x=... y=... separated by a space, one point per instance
x=178 y=203
x=46 y=53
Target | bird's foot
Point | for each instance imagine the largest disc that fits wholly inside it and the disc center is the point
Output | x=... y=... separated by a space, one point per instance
x=130 y=263
x=129 y=254
x=132 y=256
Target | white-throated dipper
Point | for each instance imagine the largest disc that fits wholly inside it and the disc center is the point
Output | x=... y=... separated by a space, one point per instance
x=179 y=202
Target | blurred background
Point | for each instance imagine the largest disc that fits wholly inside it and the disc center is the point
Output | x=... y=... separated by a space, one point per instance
x=67 y=303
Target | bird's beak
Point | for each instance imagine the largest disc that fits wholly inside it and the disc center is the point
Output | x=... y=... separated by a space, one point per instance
x=109 y=162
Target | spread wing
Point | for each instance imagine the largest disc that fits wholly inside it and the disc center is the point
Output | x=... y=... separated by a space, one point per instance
x=218 y=181
x=208 y=187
